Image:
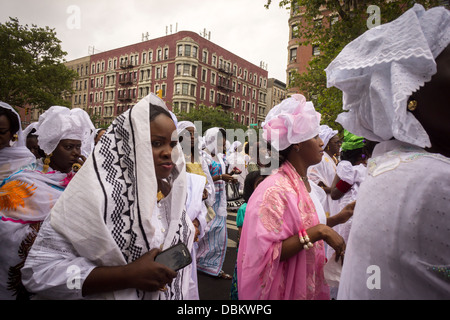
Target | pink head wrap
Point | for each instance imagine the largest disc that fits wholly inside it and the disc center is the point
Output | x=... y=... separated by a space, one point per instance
x=292 y=121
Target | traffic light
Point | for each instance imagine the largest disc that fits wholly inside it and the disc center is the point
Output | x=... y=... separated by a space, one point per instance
x=159 y=93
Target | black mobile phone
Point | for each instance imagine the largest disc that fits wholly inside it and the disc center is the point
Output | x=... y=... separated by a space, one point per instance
x=176 y=257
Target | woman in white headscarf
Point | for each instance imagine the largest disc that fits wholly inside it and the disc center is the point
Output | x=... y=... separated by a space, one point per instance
x=28 y=195
x=125 y=205
x=13 y=151
x=395 y=80
x=200 y=191
x=32 y=144
x=236 y=159
x=195 y=161
x=324 y=172
x=213 y=246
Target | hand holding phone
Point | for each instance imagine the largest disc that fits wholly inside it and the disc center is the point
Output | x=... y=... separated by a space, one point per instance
x=176 y=257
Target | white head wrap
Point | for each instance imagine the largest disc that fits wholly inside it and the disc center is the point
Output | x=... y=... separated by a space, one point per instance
x=234 y=146
x=58 y=123
x=326 y=133
x=201 y=142
x=174 y=118
x=292 y=121
x=185 y=124
x=210 y=139
x=17 y=156
x=21 y=139
x=29 y=128
x=379 y=71
x=89 y=139
x=181 y=126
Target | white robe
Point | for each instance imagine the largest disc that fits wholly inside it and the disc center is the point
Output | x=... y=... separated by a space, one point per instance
x=325 y=171
x=237 y=159
x=398 y=246
x=195 y=209
x=109 y=212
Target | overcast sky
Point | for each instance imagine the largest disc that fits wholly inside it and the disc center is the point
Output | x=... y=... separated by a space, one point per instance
x=243 y=27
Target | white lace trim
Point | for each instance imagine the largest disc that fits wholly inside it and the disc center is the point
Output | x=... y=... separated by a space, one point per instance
x=392 y=159
x=379 y=70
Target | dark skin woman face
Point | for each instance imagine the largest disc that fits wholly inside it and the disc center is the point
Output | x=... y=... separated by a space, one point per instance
x=333 y=146
x=32 y=145
x=311 y=151
x=161 y=130
x=65 y=155
x=433 y=110
x=5 y=134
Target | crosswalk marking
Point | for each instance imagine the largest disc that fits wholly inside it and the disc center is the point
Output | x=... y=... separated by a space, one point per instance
x=231 y=243
x=231 y=224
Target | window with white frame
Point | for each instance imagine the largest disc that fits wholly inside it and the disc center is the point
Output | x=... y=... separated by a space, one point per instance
x=316 y=50
x=166 y=53
x=202 y=93
x=159 y=55
x=187 y=50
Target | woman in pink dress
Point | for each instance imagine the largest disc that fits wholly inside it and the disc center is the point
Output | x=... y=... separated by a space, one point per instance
x=281 y=251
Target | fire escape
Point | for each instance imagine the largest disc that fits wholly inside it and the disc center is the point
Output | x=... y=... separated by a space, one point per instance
x=224 y=86
x=126 y=80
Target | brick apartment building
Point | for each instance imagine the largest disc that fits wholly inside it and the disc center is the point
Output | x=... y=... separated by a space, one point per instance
x=276 y=92
x=188 y=69
x=299 y=55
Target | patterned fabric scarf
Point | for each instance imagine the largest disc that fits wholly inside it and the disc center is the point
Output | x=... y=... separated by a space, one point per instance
x=106 y=210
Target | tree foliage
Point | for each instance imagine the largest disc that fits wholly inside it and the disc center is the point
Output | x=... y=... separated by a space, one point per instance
x=210 y=117
x=31 y=66
x=349 y=21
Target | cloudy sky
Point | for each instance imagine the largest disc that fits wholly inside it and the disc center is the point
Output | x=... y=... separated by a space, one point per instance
x=243 y=27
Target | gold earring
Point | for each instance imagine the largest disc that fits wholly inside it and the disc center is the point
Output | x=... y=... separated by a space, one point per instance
x=15 y=137
x=46 y=163
x=76 y=167
x=412 y=105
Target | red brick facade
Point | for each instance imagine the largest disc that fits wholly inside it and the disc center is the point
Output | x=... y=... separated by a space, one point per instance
x=189 y=69
x=299 y=55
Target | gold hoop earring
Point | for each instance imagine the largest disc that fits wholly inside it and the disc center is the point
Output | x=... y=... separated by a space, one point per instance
x=76 y=167
x=46 y=163
x=15 y=137
x=412 y=105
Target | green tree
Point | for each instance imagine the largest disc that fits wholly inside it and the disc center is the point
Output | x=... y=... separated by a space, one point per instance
x=210 y=117
x=348 y=21
x=31 y=66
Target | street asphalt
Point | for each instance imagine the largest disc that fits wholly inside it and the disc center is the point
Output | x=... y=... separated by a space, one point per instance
x=214 y=288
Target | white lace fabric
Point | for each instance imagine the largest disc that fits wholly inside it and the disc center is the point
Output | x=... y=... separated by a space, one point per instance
x=58 y=123
x=379 y=70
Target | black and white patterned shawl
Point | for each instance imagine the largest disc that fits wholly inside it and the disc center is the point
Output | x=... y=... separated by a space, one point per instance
x=106 y=210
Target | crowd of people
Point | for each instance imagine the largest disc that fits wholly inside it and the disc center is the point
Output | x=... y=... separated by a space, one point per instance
x=360 y=214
